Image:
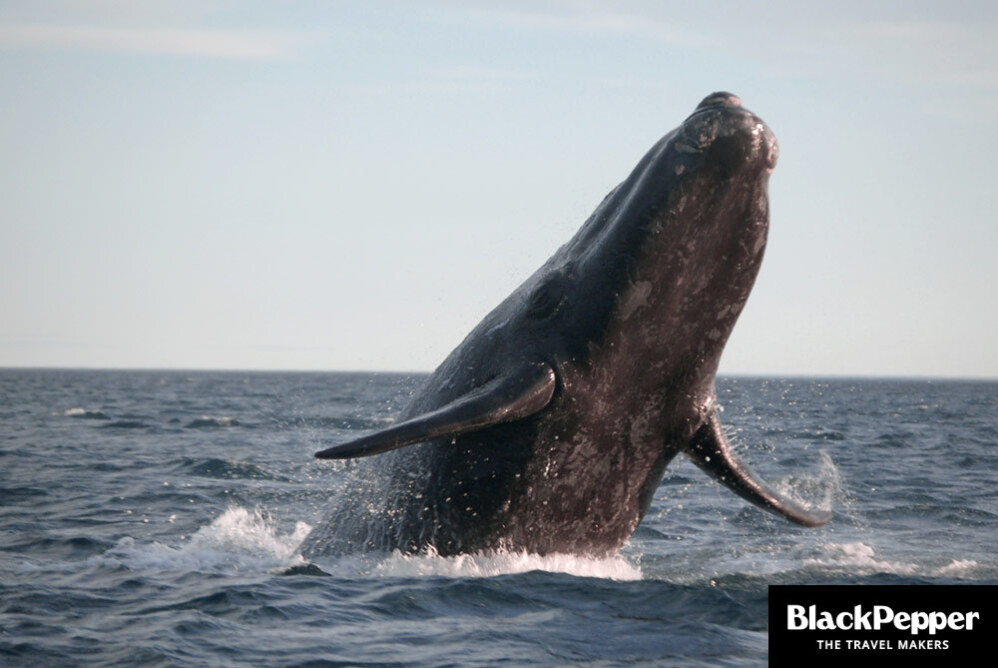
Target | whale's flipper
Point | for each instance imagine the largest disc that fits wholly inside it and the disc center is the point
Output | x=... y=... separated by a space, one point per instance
x=506 y=398
x=711 y=451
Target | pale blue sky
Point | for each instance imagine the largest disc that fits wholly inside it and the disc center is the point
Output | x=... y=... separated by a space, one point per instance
x=353 y=185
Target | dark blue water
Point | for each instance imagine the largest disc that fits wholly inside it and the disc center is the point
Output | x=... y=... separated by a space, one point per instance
x=146 y=518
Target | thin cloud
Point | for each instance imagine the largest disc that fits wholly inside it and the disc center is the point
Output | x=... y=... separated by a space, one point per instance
x=466 y=73
x=598 y=22
x=960 y=53
x=222 y=44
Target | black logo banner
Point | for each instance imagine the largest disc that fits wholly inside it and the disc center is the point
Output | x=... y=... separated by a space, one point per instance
x=867 y=625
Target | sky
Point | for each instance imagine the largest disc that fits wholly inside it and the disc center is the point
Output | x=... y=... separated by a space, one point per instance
x=354 y=185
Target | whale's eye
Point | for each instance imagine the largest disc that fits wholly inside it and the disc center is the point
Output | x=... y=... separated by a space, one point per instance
x=547 y=297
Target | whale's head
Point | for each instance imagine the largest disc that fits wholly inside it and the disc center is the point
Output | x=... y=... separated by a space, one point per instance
x=660 y=272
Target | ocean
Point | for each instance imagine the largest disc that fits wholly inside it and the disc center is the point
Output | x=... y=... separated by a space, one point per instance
x=149 y=518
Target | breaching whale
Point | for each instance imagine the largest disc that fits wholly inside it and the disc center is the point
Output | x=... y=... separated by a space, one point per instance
x=550 y=426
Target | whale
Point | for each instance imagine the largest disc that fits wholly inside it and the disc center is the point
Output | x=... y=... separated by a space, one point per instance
x=549 y=428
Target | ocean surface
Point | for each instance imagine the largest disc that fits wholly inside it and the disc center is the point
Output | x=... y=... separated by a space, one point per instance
x=147 y=518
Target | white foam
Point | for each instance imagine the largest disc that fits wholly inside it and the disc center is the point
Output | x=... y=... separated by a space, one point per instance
x=79 y=412
x=248 y=541
x=214 y=421
x=857 y=557
x=238 y=530
x=505 y=563
x=224 y=420
x=860 y=558
x=959 y=568
x=239 y=540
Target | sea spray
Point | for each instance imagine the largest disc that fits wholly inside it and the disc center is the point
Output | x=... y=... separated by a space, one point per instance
x=238 y=540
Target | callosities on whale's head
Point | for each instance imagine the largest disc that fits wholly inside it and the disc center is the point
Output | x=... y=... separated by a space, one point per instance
x=660 y=272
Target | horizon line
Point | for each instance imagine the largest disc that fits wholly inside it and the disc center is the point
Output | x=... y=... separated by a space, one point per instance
x=421 y=372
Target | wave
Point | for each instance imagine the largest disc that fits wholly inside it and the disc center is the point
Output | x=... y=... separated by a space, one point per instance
x=15 y=494
x=818 y=435
x=126 y=424
x=244 y=541
x=86 y=414
x=212 y=422
x=225 y=469
x=858 y=558
x=344 y=423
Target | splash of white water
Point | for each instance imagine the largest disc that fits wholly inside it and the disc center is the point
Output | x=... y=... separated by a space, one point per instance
x=249 y=541
x=237 y=540
x=504 y=563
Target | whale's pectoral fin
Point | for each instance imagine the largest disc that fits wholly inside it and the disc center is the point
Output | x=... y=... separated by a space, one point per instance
x=711 y=451
x=509 y=397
